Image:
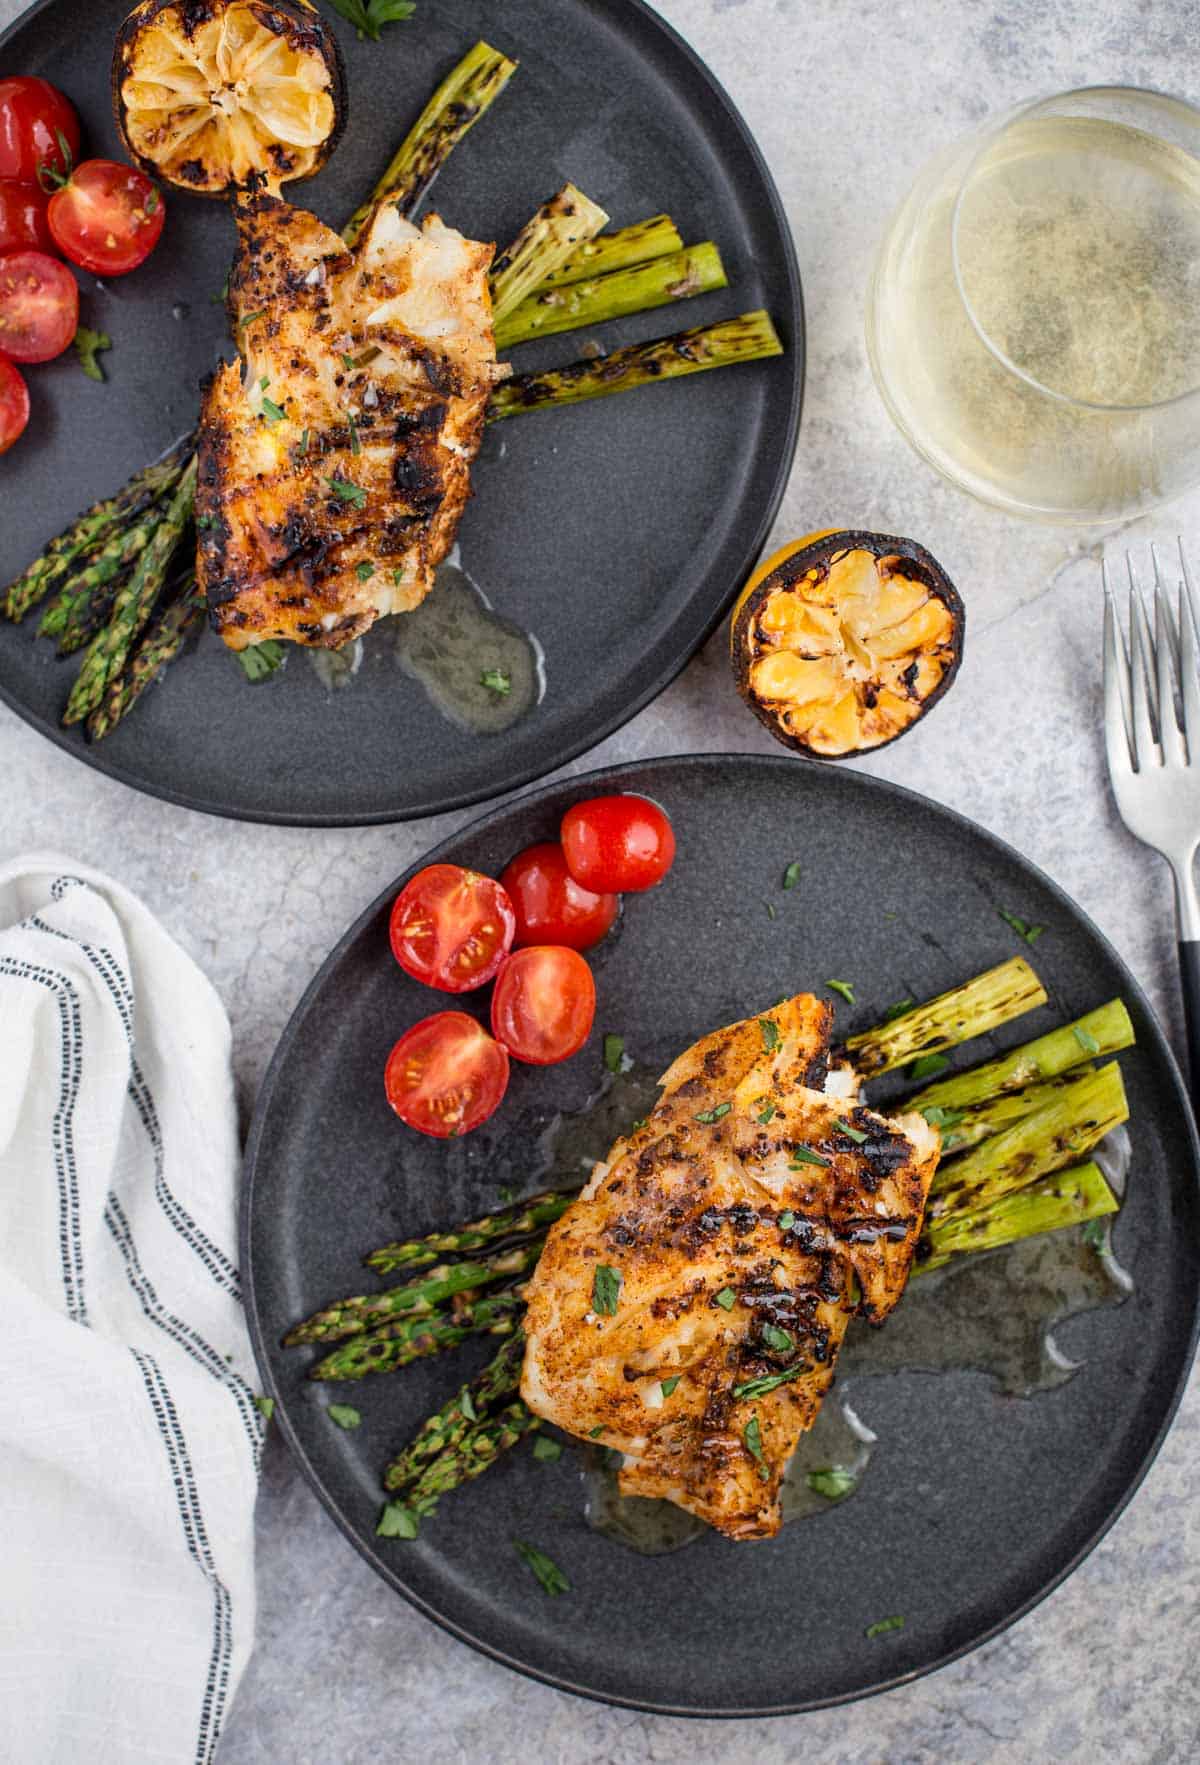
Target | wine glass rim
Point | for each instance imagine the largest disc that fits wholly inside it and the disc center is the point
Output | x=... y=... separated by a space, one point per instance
x=993 y=134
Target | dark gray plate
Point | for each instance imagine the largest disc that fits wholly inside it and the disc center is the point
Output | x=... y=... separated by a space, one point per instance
x=616 y=532
x=974 y=1505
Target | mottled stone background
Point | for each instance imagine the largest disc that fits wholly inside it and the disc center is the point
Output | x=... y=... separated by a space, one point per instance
x=846 y=101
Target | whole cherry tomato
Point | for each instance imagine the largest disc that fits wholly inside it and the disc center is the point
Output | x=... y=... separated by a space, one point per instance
x=544 y=1004
x=35 y=122
x=39 y=306
x=551 y=907
x=617 y=844
x=106 y=217
x=446 y=1075
x=23 y=225
x=14 y=405
x=452 y=928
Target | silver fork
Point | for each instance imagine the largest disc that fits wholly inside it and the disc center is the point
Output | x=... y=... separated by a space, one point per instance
x=1152 y=734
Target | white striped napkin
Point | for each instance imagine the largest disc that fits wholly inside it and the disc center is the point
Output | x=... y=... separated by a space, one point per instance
x=129 y=1437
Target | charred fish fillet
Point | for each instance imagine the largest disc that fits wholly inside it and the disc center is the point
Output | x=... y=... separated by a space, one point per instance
x=688 y=1309
x=335 y=454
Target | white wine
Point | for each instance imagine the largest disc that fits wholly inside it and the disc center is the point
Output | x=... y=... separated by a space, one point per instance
x=1035 y=314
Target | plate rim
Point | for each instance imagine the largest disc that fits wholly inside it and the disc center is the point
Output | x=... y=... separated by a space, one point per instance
x=885 y=788
x=796 y=356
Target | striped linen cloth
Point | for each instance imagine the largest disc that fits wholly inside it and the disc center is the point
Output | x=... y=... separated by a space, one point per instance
x=129 y=1436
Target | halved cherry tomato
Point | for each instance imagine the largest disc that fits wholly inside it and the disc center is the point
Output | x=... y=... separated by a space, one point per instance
x=33 y=114
x=544 y=1004
x=23 y=224
x=452 y=928
x=446 y=1075
x=14 y=405
x=617 y=844
x=550 y=905
x=107 y=218
x=39 y=306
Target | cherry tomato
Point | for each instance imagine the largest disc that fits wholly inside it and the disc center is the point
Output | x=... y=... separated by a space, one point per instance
x=39 y=306
x=617 y=844
x=107 y=218
x=544 y=1004
x=446 y=1075
x=452 y=928
x=23 y=218
x=33 y=114
x=551 y=907
x=14 y=405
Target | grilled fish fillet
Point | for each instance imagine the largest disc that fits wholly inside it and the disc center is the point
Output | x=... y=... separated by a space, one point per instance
x=335 y=456
x=757 y=1209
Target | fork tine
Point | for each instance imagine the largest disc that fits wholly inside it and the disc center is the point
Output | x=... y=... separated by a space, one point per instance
x=1189 y=662
x=1141 y=683
x=1116 y=687
x=1167 y=672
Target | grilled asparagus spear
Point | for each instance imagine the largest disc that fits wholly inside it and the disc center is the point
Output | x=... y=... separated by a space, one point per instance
x=971 y=1010
x=1103 y=1031
x=161 y=644
x=1066 y=1198
x=523 y=1219
x=696 y=270
x=618 y=250
x=403 y=1340
x=353 y=1317
x=443 y=1431
x=564 y=223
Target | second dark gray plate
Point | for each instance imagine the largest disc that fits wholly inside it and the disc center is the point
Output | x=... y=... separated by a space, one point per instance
x=974 y=1504
x=615 y=532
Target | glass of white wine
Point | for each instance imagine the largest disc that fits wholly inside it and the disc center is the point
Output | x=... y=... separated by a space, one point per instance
x=1033 y=320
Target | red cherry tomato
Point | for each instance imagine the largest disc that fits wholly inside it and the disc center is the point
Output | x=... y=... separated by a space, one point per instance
x=550 y=905
x=617 y=844
x=107 y=218
x=23 y=224
x=33 y=114
x=14 y=405
x=544 y=1004
x=446 y=1075
x=452 y=928
x=39 y=306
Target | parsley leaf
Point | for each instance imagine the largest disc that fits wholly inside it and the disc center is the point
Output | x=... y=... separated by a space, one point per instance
x=548 y=1573
x=777 y=1339
x=596 y=1432
x=770 y=1034
x=791 y=875
x=466 y=1404
x=369 y=16
x=855 y=1134
x=344 y=1414
x=713 y=1115
x=766 y=1113
x=845 y=988
x=547 y=1450
x=259 y=660
x=365 y=570
x=806 y=1155
x=883 y=1625
x=752 y=1440
x=898 y=1010
x=88 y=345
x=265 y=1406
x=606 y=1289
x=668 y=1385
x=1094 y=1233
x=250 y=318
x=497 y=681
x=274 y=413
x=926 y=1065
x=787 y=1220
x=760 y=1387
x=726 y=1298
x=1086 y=1040
x=347 y=492
x=614 y=1050
x=396 y=1521
x=833 y=1483
x=1024 y=928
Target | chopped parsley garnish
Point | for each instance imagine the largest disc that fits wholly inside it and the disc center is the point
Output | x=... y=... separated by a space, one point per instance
x=614 y=1050
x=1094 y=1233
x=264 y=383
x=506 y=1194
x=787 y=1220
x=883 y=1626
x=668 y=1385
x=713 y=1115
x=302 y=449
x=1024 y=928
x=250 y=318
x=344 y=1414
x=396 y=1521
x=274 y=413
x=347 y=492
x=639 y=1124
x=88 y=345
x=760 y=1387
x=926 y=1065
x=805 y=1155
x=833 y=1483
x=752 y=1440
x=347 y=360
x=943 y=1118
x=855 y=1134
x=355 y=443
x=497 y=681
x=1086 y=1040
x=770 y=1034
x=466 y=1404
x=777 y=1339
x=365 y=570
x=596 y=1432
x=770 y=909
x=726 y=1298
x=898 y=1010
x=259 y=660
x=766 y=1113
x=152 y=202
x=845 y=988
x=791 y=875
x=204 y=522
x=606 y=1288
x=265 y=1406
x=548 y=1451
x=548 y=1573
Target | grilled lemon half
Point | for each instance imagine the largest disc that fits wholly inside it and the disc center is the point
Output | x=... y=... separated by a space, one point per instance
x=215 y=95
x=842 y=640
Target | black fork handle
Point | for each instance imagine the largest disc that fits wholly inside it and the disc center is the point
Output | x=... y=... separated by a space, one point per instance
x=1189 y=973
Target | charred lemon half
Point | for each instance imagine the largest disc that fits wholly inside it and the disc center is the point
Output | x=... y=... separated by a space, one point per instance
x=213 y=95
x=842 y=640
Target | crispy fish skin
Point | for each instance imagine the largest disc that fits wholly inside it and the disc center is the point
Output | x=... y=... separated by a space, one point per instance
x=752 y=1124
x=335 y=455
